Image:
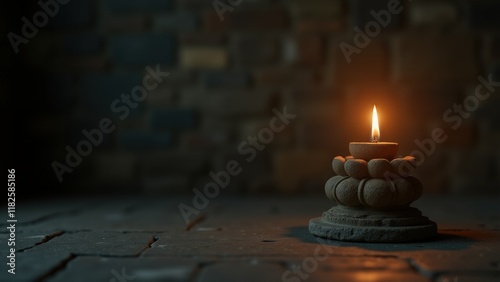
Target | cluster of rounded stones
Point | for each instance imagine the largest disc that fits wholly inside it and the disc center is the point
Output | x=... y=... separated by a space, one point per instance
x=377 y=183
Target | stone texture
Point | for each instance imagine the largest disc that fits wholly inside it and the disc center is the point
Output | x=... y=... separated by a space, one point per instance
x=377 y=168
x=101 y=89
x=285 y=77
x=376 y=193
x=345 y=192
x=144 y=49
x=254 y=270
x=356 y=168
x=403 y=166
x=347 y=224
x=330 y=186
x=234 y=79
x=139 y=269
x=230 y=238
x=99 y=242
x=253 y=50
x=172 y=162
x=34 y=266
x=338 y=165
x=203 y=57
x=416 y=68
x=27 y=239
x=202 y=39
x=368 y=151
x=182 y=21
x=227 y=103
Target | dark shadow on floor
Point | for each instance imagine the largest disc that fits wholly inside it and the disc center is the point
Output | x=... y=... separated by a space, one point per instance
x=445 y=240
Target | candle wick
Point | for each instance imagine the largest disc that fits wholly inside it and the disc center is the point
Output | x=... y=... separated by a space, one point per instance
x=375 y=140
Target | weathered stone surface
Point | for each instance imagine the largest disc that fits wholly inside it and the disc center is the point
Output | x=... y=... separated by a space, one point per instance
x=375 y=193
x=112 y=215
x=356 y=168
x=271 y=239
x=97 y=243
x=377 y=168
x=28 y=238
x=334 y=264
x=368 y=151
x=349 y=224
x=403 y=166
x=330 y=186
x=31 y=266
x=345 y=192
x=138 y=269
x=338 y=165
x=253 y=271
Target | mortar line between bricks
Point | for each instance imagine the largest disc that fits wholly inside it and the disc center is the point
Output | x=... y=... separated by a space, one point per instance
x=417 y=268
x=149 y=245
x=197 y=271
x=139 y=254
x=62 y=265
x=44 y=240
x=200 y=218
x=56 y=269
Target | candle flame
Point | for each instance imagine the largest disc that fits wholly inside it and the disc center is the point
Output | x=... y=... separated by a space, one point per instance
x=375 y=128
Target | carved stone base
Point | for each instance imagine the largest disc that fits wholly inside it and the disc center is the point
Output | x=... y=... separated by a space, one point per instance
x=363 y=225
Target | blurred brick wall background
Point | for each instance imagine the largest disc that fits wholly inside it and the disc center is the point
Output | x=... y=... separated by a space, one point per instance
x=227 y=76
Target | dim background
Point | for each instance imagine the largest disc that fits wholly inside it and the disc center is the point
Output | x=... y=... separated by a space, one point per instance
x=225 y=79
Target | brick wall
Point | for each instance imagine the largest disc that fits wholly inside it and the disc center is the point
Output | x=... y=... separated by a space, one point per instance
x=226 y=76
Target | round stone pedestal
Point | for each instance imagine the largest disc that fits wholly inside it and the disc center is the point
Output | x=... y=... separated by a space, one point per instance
x=363 y=225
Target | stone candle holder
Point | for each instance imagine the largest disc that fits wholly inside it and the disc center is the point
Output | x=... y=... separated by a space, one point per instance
x=373 y=196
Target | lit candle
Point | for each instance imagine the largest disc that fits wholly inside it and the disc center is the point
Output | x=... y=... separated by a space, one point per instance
x=374 y=149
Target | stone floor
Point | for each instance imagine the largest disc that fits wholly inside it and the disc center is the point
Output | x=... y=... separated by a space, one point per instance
x=241 y=239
